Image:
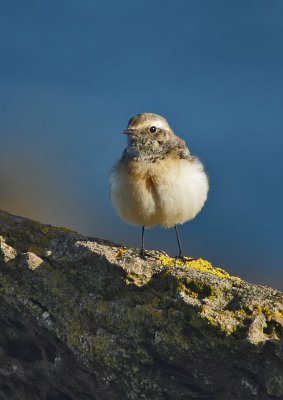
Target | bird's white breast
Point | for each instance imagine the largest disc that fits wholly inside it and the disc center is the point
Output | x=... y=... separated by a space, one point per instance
x=166 y=193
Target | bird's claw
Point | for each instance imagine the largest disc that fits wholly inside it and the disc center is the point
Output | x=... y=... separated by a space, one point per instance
x=143 y=254
x=184 y=258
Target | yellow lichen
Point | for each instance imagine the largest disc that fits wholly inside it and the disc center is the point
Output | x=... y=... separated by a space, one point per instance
x=102 y=307
x=199 y=264
x=148 y=314
x=101 y=349
x=224 y=322
x=269 y=314
x=173 y=340
x=137 y=279
x=120 y=253
x=74 y=332
x=278 y=314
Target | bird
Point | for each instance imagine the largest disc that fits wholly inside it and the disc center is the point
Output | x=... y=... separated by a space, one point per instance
x=157 y=181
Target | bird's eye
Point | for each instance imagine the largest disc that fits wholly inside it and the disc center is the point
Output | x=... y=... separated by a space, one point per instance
x=152 y=129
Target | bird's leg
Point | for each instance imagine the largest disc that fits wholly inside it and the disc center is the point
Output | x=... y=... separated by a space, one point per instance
x=181 y=255
x=142 y=251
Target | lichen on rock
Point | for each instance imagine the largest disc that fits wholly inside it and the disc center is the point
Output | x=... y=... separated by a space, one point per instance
x=85 y=319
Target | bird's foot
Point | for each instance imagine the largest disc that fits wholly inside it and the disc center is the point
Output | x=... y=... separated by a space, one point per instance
x=143 y=254
x=183 y=258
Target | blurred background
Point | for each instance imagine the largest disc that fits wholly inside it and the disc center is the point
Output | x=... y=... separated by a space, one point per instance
x=72 y=73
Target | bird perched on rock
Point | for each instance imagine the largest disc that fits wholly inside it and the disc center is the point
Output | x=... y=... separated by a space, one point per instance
x=157 y=181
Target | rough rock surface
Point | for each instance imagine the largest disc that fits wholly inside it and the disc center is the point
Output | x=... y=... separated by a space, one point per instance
x=85 y=319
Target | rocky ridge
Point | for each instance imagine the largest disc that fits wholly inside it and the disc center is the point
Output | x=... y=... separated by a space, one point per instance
x=85 y=319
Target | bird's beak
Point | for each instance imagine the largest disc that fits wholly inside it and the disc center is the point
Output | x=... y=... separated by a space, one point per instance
x=129 y=132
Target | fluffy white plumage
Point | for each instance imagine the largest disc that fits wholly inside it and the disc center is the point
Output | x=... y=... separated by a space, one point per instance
x=165 y=190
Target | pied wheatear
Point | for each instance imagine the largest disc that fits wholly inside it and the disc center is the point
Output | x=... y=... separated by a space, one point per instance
x=157 y=181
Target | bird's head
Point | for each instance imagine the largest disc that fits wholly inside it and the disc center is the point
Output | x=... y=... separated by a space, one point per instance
x=149 y=136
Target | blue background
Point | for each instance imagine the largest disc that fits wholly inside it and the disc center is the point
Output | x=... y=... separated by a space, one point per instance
x=72 y=73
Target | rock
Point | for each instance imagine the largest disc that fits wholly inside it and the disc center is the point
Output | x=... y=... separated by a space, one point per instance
x=7 y=252
x=86 y=319
x=32 y=260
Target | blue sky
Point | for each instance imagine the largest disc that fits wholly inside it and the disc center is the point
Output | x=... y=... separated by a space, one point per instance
x=72 y=73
